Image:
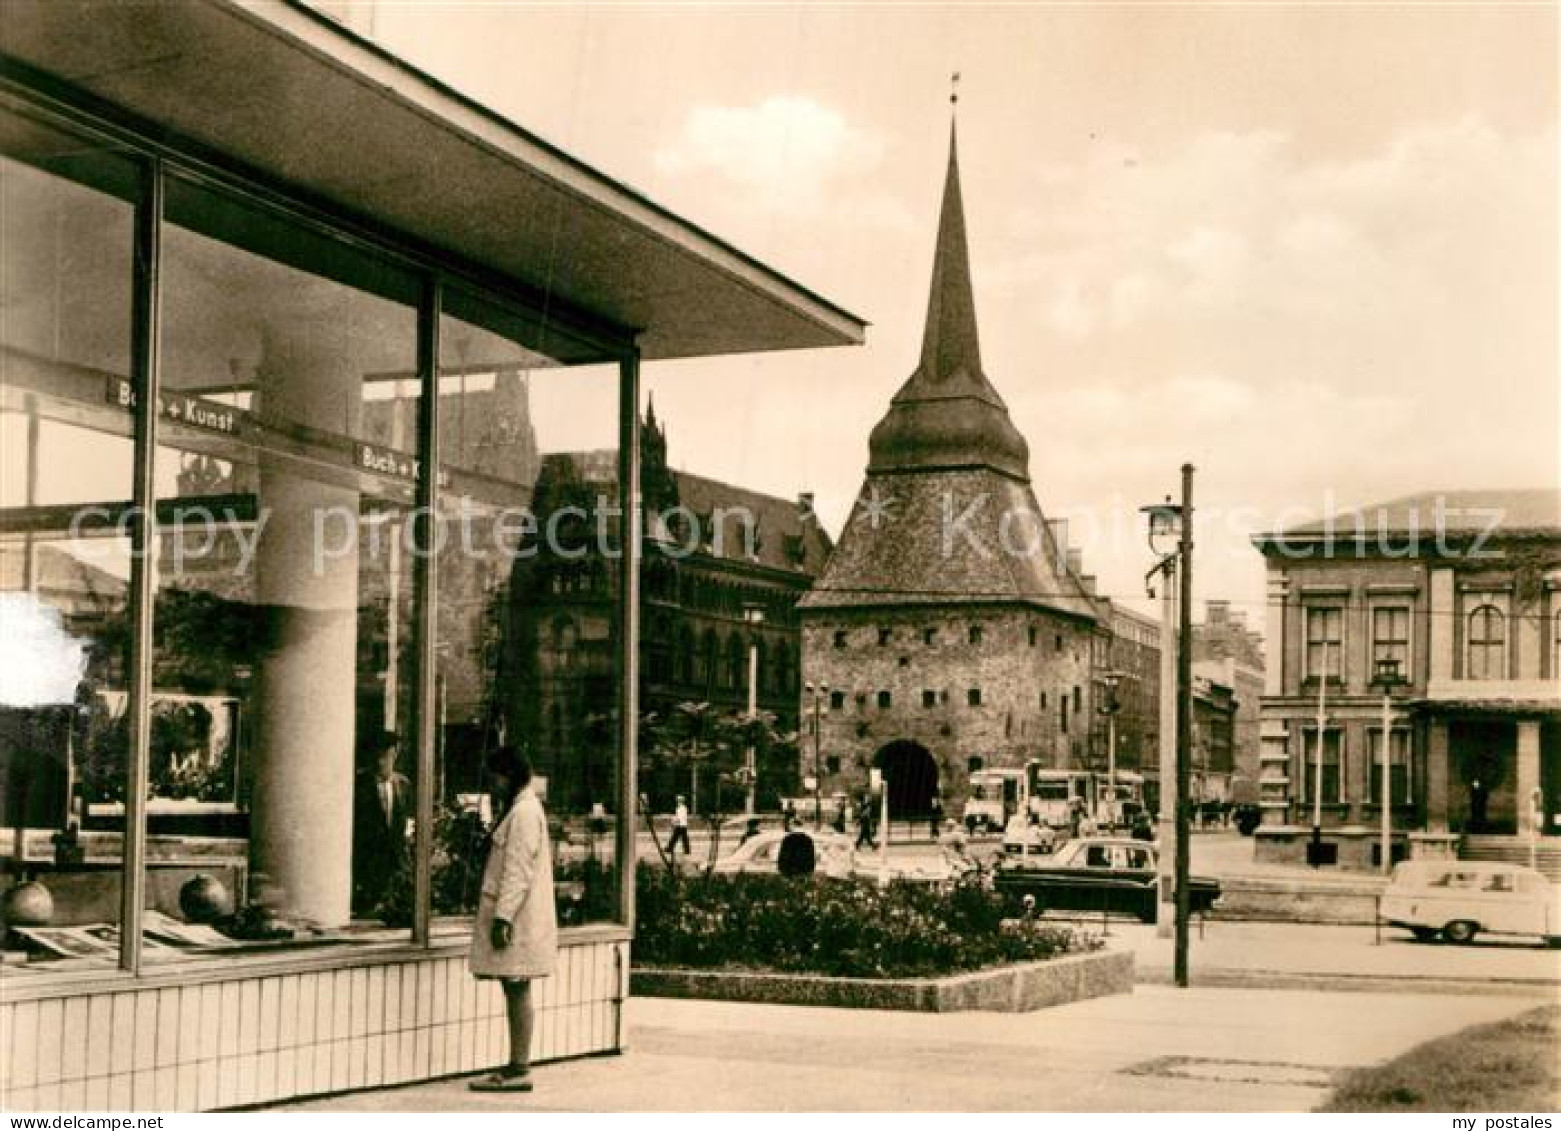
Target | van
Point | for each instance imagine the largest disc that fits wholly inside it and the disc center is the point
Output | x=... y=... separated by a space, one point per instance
x=1459 y=899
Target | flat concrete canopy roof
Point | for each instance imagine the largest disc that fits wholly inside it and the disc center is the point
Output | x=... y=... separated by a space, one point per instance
x=286 y=92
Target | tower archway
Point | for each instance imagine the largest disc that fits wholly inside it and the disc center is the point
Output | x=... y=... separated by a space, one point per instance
x=912 y=774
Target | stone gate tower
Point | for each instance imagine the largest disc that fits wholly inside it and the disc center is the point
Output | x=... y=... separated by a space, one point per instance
x=947 y=624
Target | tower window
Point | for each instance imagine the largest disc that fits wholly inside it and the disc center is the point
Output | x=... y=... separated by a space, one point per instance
x=884 y=636
x=837 y=700
x=973 y=697
x=975 y=634
x=885 y=700
x=1058 y=643
x=929 y=698
x=929 y=636
x=840 y=638
x=1035 y=634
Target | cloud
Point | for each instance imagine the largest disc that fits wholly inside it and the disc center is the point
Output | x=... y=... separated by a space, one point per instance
x=789 y=153
x=1432 y=224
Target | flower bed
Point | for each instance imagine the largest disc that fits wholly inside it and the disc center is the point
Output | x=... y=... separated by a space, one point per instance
x=836 y=928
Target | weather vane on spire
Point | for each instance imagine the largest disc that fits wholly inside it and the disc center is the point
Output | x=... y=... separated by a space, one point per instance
x=954 y=89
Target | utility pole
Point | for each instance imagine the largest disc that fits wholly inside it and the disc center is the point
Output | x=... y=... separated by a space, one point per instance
x=1184 y=732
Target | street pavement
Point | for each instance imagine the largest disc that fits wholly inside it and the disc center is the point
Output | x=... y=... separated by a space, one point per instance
x=1157 y=1049
x=1334 y=957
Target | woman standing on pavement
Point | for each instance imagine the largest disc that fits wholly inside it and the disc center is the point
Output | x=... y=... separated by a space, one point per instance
x=515 y=935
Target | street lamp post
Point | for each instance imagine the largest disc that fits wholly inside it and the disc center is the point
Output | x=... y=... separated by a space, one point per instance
x=1110 y=680
x=1315 y=852
x=753 y=616
x=1165 y=519
x=1387 y=677
x=816 y=694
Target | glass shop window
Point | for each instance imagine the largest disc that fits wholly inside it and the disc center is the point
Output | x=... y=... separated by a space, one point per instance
x=528 y=488
x=66 y=224
x=283 y=673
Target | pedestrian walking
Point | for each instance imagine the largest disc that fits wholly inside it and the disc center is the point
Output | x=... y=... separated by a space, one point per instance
x=679 y=829
x=935 y=817
x=515 y=933
x=864 y=823
x=788 y=815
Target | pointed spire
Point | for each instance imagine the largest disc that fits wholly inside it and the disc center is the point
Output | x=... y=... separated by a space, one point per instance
x=948 y=414
x=950 y=345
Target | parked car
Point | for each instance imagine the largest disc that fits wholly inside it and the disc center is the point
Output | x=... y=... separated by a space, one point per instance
x=833 y=854
x=1459 y=899
x=1095 y=874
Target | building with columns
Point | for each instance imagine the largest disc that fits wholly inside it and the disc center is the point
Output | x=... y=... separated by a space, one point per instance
x=1461 y=592
x=950 y=627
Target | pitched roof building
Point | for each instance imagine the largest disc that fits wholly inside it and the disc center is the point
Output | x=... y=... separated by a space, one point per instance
x=948 y=626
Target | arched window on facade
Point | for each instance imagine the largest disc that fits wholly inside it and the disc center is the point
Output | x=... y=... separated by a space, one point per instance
x=1487 y=647
x=565 y=634
x=736 y=662
x=683 y=659
x=658 y=647
x=709 y=660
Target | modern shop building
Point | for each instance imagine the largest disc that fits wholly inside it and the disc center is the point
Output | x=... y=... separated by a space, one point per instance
x=232 y=235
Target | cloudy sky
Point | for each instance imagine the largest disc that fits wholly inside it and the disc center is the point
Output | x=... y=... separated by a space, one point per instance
x=1312 y=249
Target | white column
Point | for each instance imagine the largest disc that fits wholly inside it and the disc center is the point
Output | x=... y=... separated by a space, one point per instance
x=306 y=692
x=1528 y=777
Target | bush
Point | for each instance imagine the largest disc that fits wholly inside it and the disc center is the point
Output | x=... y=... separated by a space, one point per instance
x=841 y=928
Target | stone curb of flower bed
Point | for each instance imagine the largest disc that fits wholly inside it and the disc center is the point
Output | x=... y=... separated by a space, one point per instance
x=1017 y=988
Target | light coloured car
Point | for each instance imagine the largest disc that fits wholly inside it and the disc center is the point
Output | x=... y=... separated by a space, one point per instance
x=1459 y=899
x=833 y=853
x=836 y=856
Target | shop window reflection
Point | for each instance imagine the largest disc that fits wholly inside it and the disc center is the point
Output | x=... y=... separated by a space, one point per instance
x=524 y=613
x=66 y=218
x=286 y=470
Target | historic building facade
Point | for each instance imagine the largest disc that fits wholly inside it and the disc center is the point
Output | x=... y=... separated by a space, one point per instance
x=1461 y=592
x=1226 y=651
x=715 y=555
x=1133 y=656
x=948 y=626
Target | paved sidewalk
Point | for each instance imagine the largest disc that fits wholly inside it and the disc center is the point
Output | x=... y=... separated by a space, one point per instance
x=1158 y=1049
x=1335 y=957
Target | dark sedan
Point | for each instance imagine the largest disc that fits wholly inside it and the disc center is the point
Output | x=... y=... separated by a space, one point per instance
x=1095 y=874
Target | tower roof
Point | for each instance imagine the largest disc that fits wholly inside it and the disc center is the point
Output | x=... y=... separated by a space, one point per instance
x=948 y=415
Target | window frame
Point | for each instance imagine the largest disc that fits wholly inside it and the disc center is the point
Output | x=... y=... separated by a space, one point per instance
x=1340 y=763
x=1334 y=646
x=1395 y=648
x=1486 y=614
x=1402 y=753
x=590 y=340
